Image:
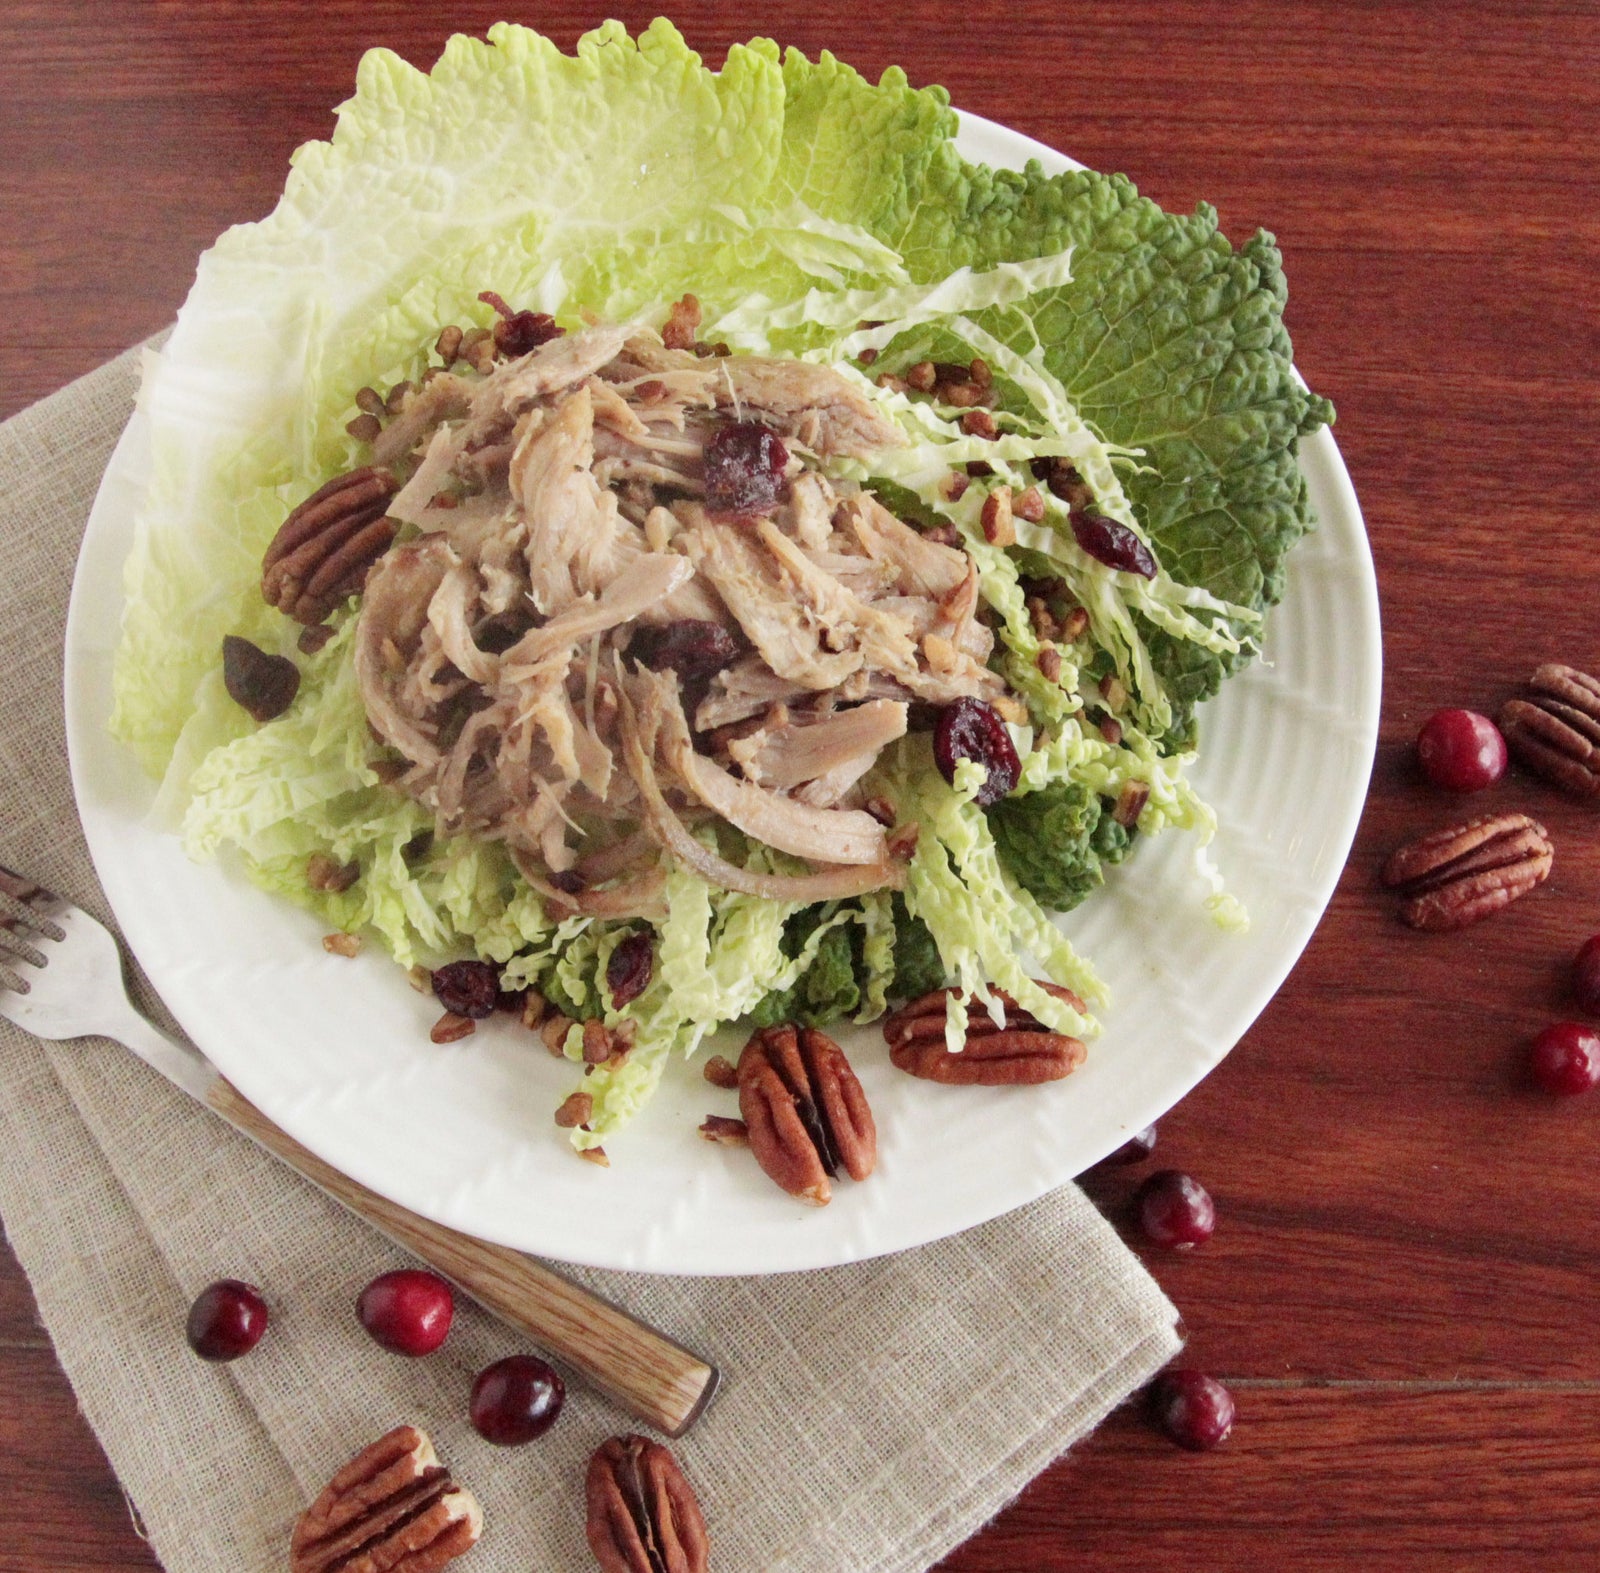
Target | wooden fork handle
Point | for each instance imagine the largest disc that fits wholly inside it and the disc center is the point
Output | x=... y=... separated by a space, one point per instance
x=650 y=1376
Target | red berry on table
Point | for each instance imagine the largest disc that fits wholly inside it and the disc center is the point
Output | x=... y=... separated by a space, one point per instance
x=1136 y=1149
x=1461 y=750
x=1586 y=975
x=1194 y=1409
x=226 y=1320
x=1176 y=1210
x=516 y=1400
x=1565 y=1059
x=408 y=1311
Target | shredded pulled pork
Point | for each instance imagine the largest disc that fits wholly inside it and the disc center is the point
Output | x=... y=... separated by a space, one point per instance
x=580 y=649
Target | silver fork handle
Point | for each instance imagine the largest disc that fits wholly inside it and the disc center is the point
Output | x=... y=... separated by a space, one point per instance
x=176 y=1061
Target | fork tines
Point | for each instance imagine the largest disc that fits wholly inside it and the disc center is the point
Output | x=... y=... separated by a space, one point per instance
x=29 y=901
x=26 y=909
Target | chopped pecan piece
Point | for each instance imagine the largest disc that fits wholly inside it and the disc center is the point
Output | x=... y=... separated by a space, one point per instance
x=721 y=1072
x=451 y=1028
x=998 y=529
x=643 y=1516
x=577 y=1110
x=1130 y=803
x=730 y=1133
x=807 y=1114
x=392 y=1509
x=1022 y=1053
x=1556 y=733
x=554 y=1031
x=323 y=873
x=322 y=551
x=682 y=324
x=1458 y=875
x=341 y=944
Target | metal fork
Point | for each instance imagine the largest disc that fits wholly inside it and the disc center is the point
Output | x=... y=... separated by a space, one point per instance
x=61 y=977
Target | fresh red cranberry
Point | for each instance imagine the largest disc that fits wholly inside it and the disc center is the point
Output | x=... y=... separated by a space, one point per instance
x=468 y=988
x=408 y=1311
x=628 y=971
x=1136 y=1149
x=1461 y=750
x=1194 y=1409
x=516 y=1400
x=1565 y=1059
x=744 y=469
x=971 y=729
x=1586 y=975
x=226 y=1320
x=1176 y=1210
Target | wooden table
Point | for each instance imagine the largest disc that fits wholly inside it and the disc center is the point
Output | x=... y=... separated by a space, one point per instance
x=1403 y=1283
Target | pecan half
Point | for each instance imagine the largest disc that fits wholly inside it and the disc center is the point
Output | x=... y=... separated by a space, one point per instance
x=1556 y=733
x=392 y=1509
x=323 y=550
x=806 y=1112
x=643 y=1514
x=1022 y=1053
x=1456 y=876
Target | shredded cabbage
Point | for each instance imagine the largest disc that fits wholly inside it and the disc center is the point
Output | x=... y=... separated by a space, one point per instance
x=814 y=214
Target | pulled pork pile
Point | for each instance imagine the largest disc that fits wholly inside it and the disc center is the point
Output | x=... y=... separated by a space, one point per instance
x=637 y=602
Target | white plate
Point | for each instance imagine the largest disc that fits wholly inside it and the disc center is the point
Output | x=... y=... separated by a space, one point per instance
x=338 y=1053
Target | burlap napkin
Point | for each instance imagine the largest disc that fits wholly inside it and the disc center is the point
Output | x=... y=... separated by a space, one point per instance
x=872 y=1416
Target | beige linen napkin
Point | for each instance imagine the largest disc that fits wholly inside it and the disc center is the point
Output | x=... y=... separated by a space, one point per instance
x=872 y=1416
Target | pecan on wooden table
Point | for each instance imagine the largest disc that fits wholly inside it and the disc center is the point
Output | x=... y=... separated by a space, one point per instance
x=1463 y=873
x=1556 y=732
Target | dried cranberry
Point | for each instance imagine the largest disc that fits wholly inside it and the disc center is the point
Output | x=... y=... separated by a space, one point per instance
x=264 y=684
x=1062 y=479
x=1195 y=1410
x=467 y=988
x=691 y=648
x=1461 y=750
x=1113 y=544
x=971 y=729
x=744 y=469
x=520 y=332
x=628 y=971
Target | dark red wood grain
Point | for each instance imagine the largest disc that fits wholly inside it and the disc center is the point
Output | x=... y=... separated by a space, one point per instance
x=1402 y=1284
